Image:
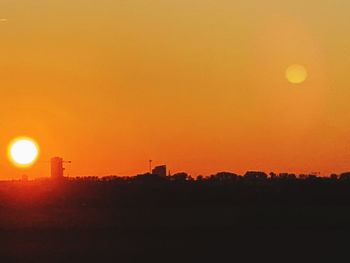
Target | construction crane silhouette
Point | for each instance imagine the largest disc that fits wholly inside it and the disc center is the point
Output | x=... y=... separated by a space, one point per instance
x=57 y=168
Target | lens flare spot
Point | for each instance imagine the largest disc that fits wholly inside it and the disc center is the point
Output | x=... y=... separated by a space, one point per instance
x=296 y=74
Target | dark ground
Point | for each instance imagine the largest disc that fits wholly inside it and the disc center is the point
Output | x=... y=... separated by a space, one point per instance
x=94 y=221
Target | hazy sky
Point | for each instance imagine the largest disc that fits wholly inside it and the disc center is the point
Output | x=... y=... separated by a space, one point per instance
x=199 y=85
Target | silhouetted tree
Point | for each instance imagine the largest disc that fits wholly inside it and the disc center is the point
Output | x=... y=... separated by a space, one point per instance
x=148 y=177
x=200 y=178
x=333 y=176
x=224 y=177
x=273 y=175
x=287 y=176
x=179 y=177
x=345 y=176
x=255 y=175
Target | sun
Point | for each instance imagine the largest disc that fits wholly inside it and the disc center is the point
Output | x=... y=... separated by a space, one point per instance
x=23 y=151
x=296 y=74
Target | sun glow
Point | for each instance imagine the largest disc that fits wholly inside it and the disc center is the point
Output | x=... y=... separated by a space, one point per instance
x=23 y=151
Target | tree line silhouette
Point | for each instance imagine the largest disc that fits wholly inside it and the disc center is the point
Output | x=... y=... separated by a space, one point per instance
x=218 y=177
x=94 y=219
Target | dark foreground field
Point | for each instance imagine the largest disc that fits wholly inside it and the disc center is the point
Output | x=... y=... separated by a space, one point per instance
x=94 y=221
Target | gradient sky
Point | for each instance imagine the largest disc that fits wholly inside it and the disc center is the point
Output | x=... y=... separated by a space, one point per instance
x=199 y=85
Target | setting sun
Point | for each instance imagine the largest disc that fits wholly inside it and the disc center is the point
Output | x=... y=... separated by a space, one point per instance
x=23 y=152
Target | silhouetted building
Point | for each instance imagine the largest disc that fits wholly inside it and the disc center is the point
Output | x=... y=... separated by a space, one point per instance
x=159 y=170
x=57 y=168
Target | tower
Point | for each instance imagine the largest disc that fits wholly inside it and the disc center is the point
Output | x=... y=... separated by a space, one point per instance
x=57 y=168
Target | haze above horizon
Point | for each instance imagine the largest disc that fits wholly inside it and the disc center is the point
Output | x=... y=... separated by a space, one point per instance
x=198 y=85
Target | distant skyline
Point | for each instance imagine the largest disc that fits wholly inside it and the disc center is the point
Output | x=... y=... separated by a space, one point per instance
x=198 y=85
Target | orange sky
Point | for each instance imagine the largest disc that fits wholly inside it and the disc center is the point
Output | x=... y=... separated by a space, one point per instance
x=198 y=84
